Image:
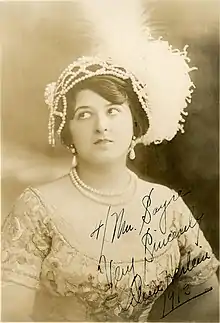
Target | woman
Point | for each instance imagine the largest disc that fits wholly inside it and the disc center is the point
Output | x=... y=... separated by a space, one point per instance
x=101 y=244
x=104 y=242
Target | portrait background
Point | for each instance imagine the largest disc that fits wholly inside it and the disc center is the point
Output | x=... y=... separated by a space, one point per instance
x=40 y=38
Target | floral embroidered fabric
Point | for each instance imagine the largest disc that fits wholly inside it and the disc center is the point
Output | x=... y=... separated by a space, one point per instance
x=76 y=287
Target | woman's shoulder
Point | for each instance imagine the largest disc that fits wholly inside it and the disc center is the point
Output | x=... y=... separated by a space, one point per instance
x=28 y=210
x=54 y=190
x=57 y=195
x=46 y=200
x=39 y=199
x=147 y=187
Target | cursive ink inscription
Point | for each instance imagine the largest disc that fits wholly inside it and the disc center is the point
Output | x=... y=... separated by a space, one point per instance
x=138 y=295
x=137 y=290
x=162 y=209
x=96 y=232
x=151 y=246
x=120 y=226
x=114 y=272
x=190 y=264
x=175 y=298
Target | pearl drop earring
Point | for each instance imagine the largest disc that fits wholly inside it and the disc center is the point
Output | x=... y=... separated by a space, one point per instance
x=131 y=151
x=74 y=160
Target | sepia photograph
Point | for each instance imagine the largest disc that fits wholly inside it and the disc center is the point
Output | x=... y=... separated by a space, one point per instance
x=110 y=161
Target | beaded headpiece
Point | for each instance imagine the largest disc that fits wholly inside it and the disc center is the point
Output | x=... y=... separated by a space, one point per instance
x=159 y=74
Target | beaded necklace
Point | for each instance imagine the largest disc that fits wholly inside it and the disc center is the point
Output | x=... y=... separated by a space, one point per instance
x=112 y=198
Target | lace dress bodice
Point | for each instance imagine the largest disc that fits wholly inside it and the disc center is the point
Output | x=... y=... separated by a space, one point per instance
x=71 y=285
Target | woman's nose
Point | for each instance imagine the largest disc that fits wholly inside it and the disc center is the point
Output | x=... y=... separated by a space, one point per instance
x=102 y=123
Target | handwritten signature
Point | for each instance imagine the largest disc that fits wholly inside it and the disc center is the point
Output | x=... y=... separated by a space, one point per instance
x=138 y=293
x=115 y=272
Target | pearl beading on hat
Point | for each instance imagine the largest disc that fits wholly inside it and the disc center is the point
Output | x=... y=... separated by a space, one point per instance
x=161 y=82
x=80 y=70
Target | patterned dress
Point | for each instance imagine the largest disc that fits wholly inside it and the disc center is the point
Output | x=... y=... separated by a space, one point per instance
x=71 y=285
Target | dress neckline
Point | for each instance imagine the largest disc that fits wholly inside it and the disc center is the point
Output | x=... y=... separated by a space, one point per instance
x=52 y=210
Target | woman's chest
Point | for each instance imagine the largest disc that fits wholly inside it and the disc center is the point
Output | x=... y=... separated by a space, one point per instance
x=113 y=230
x=115 y=265
x=109 y=260
x=117 y=233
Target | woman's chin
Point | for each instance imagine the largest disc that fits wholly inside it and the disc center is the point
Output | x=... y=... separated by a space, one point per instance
x=106 y=159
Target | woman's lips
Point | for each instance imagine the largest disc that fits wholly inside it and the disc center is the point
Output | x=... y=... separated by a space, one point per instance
x=103 y=141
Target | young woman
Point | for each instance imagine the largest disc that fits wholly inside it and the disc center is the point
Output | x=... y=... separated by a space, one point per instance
x=101 y=244
x=104 y=243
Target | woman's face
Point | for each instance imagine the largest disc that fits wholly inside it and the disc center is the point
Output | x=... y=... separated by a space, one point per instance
x=101 y=131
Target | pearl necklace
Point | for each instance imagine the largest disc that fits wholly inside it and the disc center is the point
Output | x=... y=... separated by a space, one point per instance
x=104 y=197
x=74 y=173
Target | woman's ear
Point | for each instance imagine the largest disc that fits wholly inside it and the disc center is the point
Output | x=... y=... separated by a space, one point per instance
x=137 y=128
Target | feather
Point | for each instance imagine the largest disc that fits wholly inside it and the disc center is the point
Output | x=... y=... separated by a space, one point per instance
x=119 y=30
x=116 y=28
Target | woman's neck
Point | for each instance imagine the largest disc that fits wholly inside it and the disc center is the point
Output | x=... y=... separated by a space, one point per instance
x=106 y=178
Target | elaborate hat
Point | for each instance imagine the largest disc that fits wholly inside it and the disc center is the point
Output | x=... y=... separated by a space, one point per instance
x=122 y=46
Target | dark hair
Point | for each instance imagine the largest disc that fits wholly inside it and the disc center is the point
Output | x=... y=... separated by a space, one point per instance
x=114 y=90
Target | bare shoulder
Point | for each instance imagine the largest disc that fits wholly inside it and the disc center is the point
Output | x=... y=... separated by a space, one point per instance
x=56 y=190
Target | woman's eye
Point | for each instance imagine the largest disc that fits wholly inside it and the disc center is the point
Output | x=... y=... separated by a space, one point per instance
x=113 y=111
x=84 y=115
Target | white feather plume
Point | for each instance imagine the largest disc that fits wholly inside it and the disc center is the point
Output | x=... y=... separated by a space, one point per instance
x=118 y=29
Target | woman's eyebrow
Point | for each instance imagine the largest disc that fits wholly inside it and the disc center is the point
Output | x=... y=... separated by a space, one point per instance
x=113 y=104
x=82 y=107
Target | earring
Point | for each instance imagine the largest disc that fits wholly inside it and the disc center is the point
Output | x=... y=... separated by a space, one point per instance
x=74 y=160
x=132 y=152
